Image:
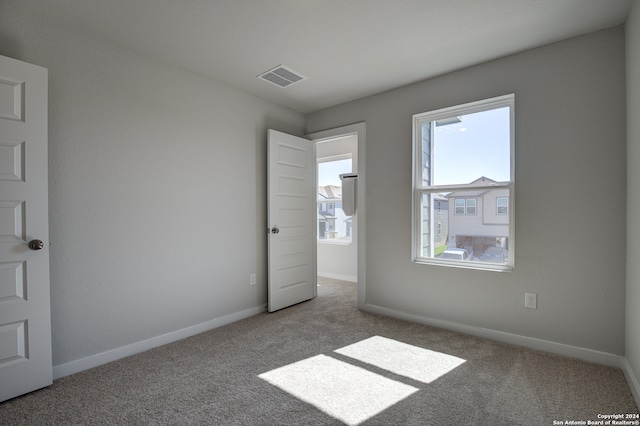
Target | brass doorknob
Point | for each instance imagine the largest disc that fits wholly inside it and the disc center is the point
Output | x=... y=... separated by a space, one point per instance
x=36 y=244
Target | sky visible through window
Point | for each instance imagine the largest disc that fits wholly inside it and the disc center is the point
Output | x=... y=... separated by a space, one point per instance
x=329 y=171
x=477 y=146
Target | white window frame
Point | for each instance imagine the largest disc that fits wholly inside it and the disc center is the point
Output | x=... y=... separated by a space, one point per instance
x=498 y=206
x=348 y=156
x=466 y=206
x=420 y=188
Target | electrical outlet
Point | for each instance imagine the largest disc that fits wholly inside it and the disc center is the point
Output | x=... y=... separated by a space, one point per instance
x=252 y=279
x=531 y=300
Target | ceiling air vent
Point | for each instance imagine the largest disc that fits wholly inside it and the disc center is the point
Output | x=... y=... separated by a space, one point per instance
x=281 y=76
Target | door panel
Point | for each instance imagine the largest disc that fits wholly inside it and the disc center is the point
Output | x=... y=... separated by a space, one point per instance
x=25 y=318
x=291 y=220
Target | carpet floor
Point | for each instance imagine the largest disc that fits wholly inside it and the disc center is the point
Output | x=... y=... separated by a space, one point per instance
x=323 y=362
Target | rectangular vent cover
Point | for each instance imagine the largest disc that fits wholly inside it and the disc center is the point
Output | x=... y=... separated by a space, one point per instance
x=281 y=76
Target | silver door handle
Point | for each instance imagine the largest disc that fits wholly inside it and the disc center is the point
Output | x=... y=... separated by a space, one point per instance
x=36 y=244
x=275 y=230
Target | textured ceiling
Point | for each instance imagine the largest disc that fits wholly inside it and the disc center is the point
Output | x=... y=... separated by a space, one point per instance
x=347 y=49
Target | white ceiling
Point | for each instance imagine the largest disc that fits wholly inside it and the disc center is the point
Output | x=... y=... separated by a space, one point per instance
x=347 y=49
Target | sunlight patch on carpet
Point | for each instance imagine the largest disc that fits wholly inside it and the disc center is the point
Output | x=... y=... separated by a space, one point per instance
x=403 y=359
x=346 y=392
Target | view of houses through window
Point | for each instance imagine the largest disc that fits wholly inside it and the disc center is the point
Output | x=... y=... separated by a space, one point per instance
x=333 y=224
x=463 y=184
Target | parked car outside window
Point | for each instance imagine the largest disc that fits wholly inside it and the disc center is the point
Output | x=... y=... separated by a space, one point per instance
x=495 y=255
x=455 y=254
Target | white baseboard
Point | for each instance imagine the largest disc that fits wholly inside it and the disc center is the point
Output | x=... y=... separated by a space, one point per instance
x=349 y=278
x=590 y=355
x=632 y=380
x=144 y=345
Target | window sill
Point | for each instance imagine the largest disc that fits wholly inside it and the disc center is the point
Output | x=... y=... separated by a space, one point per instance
x=480 y=266
x=335 y=242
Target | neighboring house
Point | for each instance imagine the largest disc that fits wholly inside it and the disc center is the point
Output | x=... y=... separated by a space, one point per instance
x=440 y=220
x=440 y=223
x=479 y=219
x=333 y=224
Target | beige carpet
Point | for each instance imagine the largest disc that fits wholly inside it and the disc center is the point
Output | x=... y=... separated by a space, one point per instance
x=323 y=362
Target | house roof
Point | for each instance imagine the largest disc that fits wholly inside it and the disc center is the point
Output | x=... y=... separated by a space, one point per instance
x=481 y=181
x=330 y=192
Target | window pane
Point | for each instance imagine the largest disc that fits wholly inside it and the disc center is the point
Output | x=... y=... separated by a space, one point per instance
x=470 y=146
x=471 y=206
x=434 y=240
x=333 y=224
x=426 y=153
x=480 y=235
x=425 y=225
x=503 y=205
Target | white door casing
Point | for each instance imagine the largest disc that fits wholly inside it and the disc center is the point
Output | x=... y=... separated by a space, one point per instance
x=291 y=220
x=25 y=315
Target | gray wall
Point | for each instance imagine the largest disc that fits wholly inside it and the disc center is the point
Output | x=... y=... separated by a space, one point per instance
x=570 y=160
x=157 y=190
x=633 y=194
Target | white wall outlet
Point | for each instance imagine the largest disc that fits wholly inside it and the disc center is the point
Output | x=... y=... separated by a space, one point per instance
x=252 y=279
x=531 y=300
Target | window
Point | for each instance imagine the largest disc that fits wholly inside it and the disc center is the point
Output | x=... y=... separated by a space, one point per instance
x=333 y=225
x=502 y=205
x=470 y=205
x=465 y=205
x=463 y=157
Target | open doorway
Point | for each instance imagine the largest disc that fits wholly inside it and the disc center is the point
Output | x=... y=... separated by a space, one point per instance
x=358 y=237
x=336 y=231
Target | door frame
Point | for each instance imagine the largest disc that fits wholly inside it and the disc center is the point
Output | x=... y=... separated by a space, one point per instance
x=358 y=129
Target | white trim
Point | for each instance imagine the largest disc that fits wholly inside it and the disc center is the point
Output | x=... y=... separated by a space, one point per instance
x=96 y=360
x=632 y=380
x=590 y=355
x=338 y=157
x=419 y=188
x=468 y=108
x=335 y=242
x=349 y=278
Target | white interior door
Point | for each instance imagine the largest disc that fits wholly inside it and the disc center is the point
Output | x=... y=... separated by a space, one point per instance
x=291 y=220
x=25 y=317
